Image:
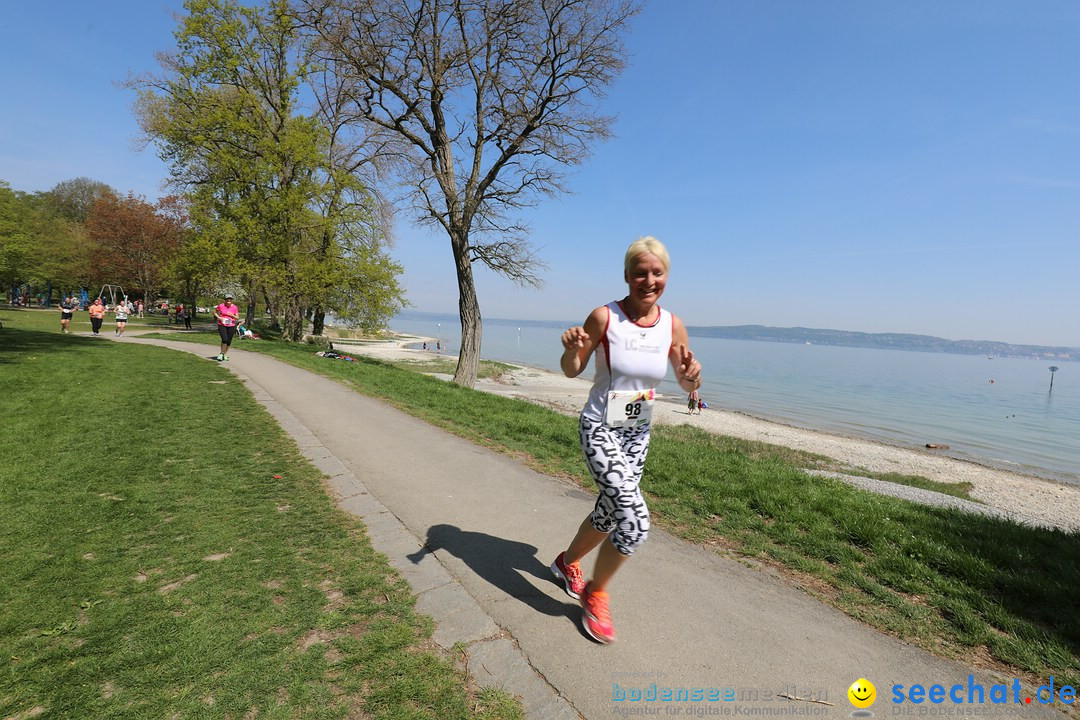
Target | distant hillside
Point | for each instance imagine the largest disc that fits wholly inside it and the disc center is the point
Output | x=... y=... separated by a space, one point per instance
x=891 y=341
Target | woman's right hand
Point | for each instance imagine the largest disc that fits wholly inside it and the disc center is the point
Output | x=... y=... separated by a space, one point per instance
x=575 y=338
x=579 y=342
x=574 y=357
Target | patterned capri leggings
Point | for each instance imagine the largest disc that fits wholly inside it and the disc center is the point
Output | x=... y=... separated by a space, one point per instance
x=616 y=459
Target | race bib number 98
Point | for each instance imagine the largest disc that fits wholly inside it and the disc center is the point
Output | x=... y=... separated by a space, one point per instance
x=629 y=408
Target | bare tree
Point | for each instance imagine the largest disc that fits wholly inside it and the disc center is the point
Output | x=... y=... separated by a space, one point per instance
x=73 y=199
x=477 y=107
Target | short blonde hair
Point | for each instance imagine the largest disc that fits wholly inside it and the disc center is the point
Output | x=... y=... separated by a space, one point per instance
x=647 y=244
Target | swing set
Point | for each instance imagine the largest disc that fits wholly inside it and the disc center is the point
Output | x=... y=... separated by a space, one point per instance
x=112 y=290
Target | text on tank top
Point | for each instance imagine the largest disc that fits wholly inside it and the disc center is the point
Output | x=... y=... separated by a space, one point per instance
x=629 y=358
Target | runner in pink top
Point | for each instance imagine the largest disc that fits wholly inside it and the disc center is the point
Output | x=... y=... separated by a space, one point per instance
x=228 y=317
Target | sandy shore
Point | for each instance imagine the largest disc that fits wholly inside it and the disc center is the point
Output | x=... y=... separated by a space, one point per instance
x=1055 y=504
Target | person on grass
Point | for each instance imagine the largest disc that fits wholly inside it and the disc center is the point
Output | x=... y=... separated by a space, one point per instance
x=228 y=318
x=97 y=315
x=67 y=311
x=634 y=341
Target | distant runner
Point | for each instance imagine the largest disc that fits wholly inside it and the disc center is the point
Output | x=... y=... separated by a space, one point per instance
x=228 y=318
x=97 y=315
x=67 y=310
x=121 y=311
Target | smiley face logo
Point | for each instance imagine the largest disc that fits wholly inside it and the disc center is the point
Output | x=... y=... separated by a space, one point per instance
x=862 y=693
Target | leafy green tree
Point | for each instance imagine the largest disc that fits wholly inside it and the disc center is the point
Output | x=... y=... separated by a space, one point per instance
x=17 y=237
x=478 y=105
x=196 y=268
x=63 y=253
x=260 y=170
x=368 y=291
x=69 y=252
x=38 y=247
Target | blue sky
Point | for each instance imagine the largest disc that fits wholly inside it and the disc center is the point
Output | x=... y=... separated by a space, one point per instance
x=863 y=165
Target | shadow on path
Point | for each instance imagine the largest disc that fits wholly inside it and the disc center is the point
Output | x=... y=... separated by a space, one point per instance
x=503 y=563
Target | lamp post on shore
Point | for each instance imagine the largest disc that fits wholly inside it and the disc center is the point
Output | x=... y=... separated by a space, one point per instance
x=1053 y=369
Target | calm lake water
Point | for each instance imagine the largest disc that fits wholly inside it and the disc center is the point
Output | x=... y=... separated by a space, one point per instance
x=902 y=398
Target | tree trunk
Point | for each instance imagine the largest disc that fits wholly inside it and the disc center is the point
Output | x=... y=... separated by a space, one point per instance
x=294 y=320
x=252 y=291
x=318 y=321
x=273 y=310
x=469 y=312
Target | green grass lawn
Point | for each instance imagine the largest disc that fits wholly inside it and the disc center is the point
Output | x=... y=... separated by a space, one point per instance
x=982 y=590
x=166 y=552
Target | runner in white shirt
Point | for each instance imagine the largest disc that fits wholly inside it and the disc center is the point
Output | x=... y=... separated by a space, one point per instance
x=121 y=311
x=634 y=341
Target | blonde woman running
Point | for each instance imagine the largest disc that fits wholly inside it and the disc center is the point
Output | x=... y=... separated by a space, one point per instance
x=634 y=341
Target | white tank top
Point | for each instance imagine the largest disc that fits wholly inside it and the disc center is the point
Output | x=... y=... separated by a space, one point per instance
x=629 y=357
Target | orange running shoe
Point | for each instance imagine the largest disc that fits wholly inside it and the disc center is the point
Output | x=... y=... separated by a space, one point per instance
x=597 y=617
x=572 y=577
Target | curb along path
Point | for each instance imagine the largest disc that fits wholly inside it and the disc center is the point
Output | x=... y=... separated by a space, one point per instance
x=474 y=531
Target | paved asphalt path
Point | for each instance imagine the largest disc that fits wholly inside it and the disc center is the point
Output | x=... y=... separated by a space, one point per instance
x=474 y=532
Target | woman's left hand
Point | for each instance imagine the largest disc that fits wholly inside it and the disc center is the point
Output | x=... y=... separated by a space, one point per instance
x=688 y=366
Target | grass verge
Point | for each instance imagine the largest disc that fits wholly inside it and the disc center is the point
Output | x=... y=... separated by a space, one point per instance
x=982 y=590
x=960 y=490
x=166 y=552
x=488 y=369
